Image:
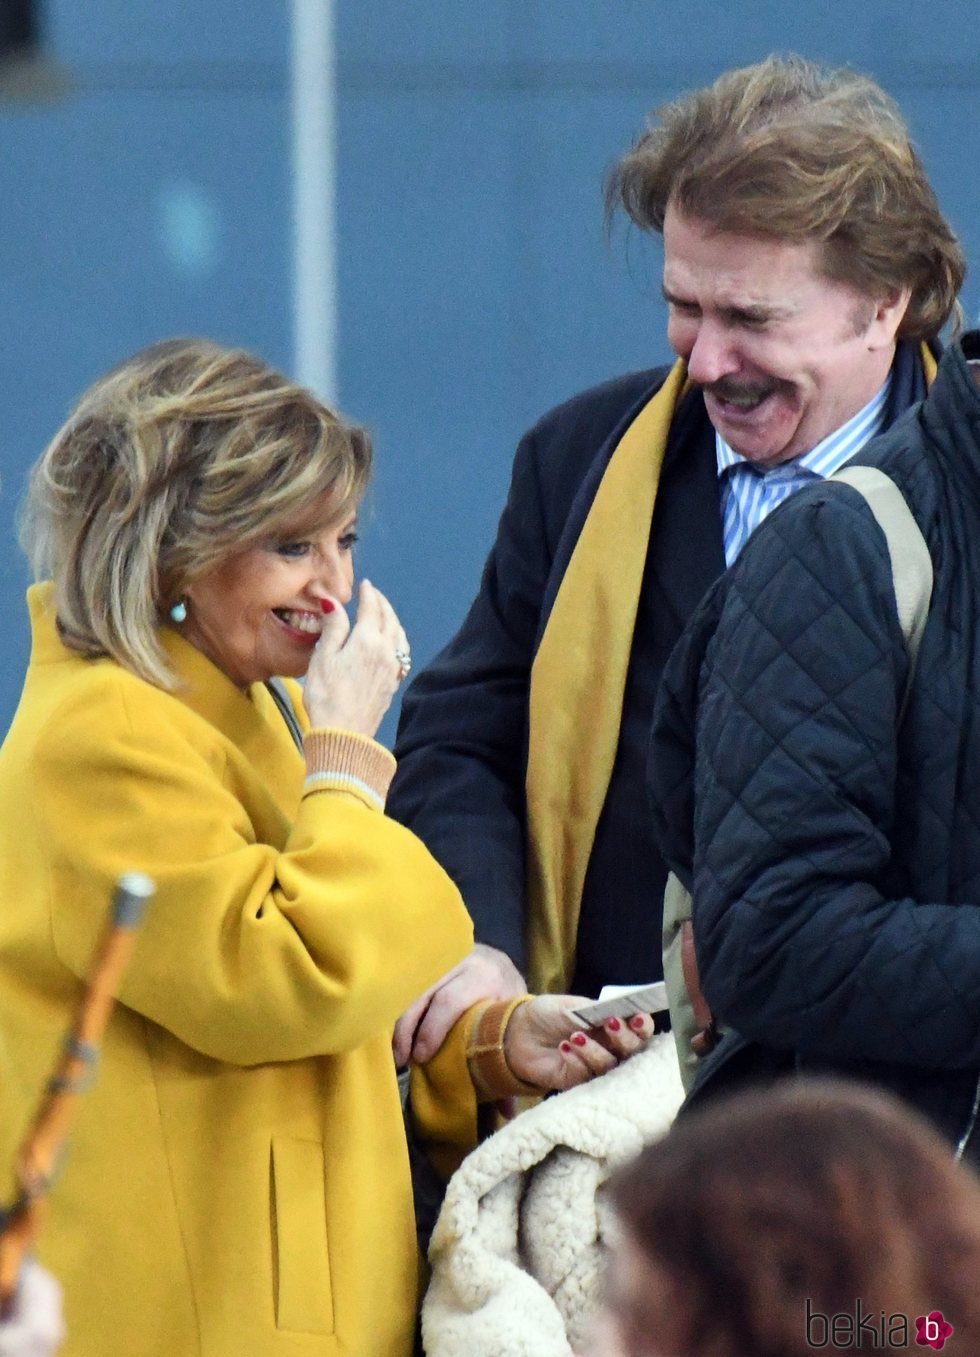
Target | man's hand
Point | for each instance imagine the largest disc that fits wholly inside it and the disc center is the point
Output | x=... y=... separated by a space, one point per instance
x=484 y=974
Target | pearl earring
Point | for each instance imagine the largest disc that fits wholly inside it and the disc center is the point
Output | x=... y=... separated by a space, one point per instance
x=179 y=611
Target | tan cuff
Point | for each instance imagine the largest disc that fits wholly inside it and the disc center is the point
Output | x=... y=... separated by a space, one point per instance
x=341 y=760
x=492 y=1076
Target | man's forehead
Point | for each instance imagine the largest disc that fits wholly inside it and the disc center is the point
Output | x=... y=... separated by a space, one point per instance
x=773 y=291
x=725 y=292
x=736 y=268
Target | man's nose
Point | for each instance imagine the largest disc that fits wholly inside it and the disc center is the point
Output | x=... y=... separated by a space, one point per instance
x=711 y=355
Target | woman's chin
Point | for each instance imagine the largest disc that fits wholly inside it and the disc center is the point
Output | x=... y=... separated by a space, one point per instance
x=296 y=670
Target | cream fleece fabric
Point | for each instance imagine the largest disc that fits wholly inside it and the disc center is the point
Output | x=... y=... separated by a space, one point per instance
x=517 y=1252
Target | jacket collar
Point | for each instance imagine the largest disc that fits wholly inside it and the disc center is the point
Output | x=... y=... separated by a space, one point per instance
x=951 y=415
x=909 y=383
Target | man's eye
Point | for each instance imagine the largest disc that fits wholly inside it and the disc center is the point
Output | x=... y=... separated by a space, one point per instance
x=292 y=549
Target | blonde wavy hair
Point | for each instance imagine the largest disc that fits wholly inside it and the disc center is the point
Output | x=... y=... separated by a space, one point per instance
x=786 y=149
x=183 y=456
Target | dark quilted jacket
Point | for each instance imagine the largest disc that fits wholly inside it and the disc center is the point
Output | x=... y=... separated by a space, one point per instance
x=835 y=852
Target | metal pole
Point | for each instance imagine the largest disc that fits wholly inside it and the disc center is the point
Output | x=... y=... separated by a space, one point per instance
x=313 y=111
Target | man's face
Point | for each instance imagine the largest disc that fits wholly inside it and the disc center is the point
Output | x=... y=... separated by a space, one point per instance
x=784 y=354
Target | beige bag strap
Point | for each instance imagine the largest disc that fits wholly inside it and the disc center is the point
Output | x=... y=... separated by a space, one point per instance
x=695 y=1030
x=907 y=550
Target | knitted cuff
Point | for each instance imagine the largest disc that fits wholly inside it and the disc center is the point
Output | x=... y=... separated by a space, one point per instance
x=491 y=1075
x=340 y=760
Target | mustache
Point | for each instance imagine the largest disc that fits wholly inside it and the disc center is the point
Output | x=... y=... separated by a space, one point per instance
x=727 y=389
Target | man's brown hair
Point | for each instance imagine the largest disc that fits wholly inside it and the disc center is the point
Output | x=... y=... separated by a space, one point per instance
x=788 y=150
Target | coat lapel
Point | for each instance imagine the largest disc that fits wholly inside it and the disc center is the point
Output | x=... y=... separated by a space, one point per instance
x=250 y=721
x=687 y=552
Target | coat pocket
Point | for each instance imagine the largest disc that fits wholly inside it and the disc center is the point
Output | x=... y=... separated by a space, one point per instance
x=300 y=1254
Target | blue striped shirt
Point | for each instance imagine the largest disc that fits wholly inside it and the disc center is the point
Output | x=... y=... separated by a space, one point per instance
x=749 y=494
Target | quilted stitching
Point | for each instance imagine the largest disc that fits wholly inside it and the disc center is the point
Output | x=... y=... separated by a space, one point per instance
x=830 y=860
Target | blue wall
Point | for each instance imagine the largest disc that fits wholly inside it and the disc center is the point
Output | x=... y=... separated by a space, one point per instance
x=476 y=285
x=151 y=200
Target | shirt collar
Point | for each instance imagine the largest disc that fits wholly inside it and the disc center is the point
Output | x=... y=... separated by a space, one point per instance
x=831 y=452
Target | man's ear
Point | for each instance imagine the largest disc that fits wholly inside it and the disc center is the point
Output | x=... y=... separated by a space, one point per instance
x=889 y=312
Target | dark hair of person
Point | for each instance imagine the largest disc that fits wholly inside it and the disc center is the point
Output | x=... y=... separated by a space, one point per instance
x=805 y=1199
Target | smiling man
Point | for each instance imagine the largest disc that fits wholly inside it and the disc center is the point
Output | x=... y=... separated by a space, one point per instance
x=808 y=271
x=782 y=353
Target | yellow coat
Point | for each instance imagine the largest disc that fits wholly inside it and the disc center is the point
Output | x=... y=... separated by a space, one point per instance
x=237 y=1185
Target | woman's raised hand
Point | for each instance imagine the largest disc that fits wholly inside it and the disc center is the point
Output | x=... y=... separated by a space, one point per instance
x=355 y=670
x=545 y=1046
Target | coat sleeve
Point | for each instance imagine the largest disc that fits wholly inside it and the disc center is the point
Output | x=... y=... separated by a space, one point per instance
x=248 y=952
x=444 y=1103
x=462 y=737
x=800 y=943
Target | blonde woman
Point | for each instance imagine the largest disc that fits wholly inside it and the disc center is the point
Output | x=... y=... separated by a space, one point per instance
x=238 y=1182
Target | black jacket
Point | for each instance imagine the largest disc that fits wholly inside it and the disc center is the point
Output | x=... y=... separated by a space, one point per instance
x=462 y=741
x=834 y=852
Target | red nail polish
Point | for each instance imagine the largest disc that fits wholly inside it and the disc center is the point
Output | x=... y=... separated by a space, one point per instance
x=565 y=1048
x=327 y=604
x=614 y=1024
x=579 y=1038
x=639 y=1022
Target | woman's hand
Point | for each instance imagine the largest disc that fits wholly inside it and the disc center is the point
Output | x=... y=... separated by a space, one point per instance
x=355 y=670
x=545 y=1046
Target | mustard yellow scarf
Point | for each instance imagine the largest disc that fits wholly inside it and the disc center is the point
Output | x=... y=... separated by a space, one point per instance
x=577 y=683
x=578 y=680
